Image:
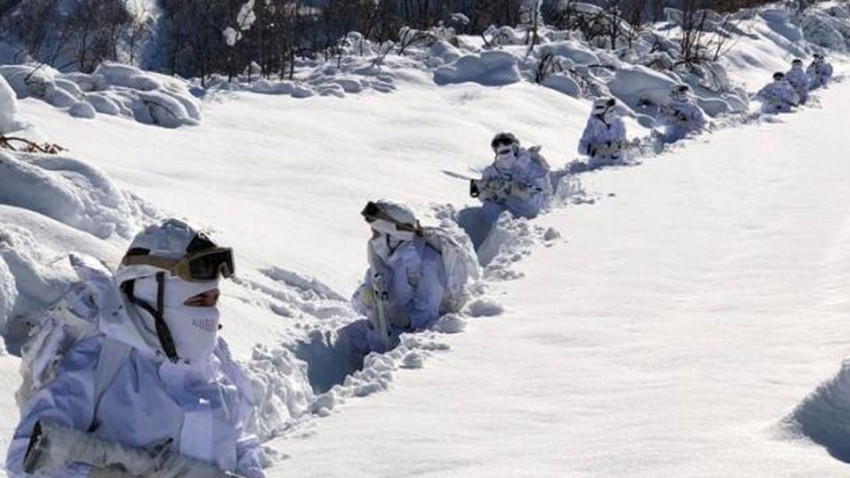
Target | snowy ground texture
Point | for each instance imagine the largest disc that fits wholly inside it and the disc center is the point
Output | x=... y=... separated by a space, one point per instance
x=676 y=318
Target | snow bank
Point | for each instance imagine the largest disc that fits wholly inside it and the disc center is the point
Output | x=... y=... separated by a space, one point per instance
x=9 y=120
x=484 y=307
x=82 y=109
x=636 y=85
x=824 y=416
x=281 y=390
x=113 y=89
x=510 y=241
x=68 y=191
x=825 y=25
x=378 y=370
x=8 y=295
x=51 y=206
x=34 y=266
x=489 y=68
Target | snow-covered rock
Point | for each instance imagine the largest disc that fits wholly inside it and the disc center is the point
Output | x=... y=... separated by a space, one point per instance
x=113 y=89
x=490 y=68
x=82 y=109
x=634 y=85
x=103 y=104
x=117 y=74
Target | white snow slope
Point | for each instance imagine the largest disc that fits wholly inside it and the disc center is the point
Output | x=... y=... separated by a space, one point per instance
x=667 y=334
x=680 y=326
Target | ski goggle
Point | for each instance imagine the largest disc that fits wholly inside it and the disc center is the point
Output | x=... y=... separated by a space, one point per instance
x=198 y=266
x=372 y=212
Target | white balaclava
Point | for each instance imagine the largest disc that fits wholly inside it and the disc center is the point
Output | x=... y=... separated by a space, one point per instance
x=383 y=246
x=194 y=329
x=389 y=236
x=506 y=156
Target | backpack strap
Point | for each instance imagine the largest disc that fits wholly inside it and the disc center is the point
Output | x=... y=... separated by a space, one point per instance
x=113 y=355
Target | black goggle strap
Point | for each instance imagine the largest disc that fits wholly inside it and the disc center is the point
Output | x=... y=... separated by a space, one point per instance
x=372 y=212
x=166 y=340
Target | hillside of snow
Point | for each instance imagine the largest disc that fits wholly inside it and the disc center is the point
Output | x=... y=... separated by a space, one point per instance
x=675 y=317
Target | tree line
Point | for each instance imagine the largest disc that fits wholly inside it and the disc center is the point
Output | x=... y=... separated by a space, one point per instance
x=187 y=37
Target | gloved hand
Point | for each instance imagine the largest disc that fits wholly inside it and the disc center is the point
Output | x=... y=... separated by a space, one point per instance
x=473 y=188
x=520 y=190
x=490 y=189
x=592 y=152
x=367 y=295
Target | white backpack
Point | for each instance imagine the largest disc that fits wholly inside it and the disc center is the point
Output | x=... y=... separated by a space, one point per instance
x=69 y=321
x=461 y=265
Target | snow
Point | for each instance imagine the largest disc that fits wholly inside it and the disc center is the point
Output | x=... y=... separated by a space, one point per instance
x=82 y=109
x=669 y=334
x=8 y=295
x=8 y=108
x=490 y=68
x=68 y=191
x=112 y=89
x=10 y=379
x=231 y=36
x=665 y=319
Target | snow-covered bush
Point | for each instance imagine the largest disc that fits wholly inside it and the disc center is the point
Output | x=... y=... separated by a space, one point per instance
x=826 y=26
x=489 y=68
x=82 y=109
x=112 y=89
x=67 y=191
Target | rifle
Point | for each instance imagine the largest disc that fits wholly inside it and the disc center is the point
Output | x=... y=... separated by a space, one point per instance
x=609 y=148
x=382 y=296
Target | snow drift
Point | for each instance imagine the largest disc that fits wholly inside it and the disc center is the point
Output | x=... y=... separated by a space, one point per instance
x=824 y=416
x=112 y=89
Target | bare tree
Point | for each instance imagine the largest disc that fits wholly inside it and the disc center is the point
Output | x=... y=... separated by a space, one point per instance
x=139 y=28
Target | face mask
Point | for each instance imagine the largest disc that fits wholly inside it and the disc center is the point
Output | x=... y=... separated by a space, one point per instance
x=505 y=158
x=608 y=116
x=380 y=247
x=383 y=246
x=194 y=329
